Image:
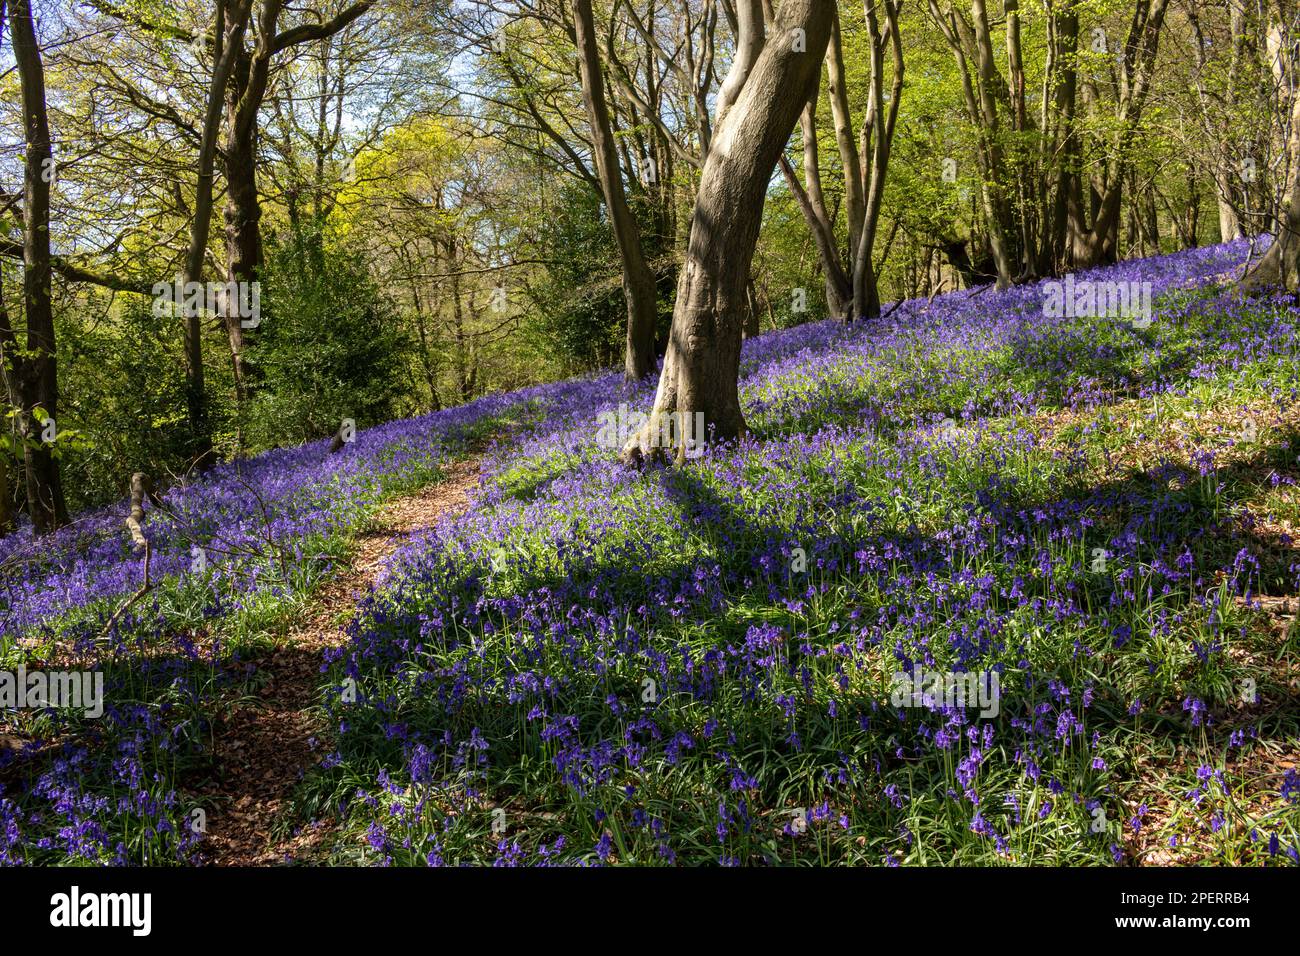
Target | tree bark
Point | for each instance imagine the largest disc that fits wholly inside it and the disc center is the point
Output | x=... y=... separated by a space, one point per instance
x=230 y=23
x=1097 y=242
x=837 y=87
x=878 y=132
x=971 y=42
x=702 y=366
x=750 y=26
x=242 y=214
x=812 y=203
x=1279 y=268
x=37 y=371
x=246 y=92
x=638 y=281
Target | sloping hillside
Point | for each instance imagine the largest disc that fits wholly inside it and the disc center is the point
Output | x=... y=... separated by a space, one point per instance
x=1087 y=523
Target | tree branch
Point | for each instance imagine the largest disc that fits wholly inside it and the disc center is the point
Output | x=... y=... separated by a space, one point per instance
x=319 y=31
x=75 y=273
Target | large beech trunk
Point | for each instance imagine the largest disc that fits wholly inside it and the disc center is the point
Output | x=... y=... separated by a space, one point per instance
x=702 y=365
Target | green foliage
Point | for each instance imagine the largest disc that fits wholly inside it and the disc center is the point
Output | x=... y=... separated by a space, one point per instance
x=329 y=347
x=580 y=304
x=123 y=386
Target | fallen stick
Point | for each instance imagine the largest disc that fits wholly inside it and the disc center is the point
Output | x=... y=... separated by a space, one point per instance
x=141 y=488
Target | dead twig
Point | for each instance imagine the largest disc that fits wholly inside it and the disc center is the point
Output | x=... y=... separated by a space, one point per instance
x=141 y=488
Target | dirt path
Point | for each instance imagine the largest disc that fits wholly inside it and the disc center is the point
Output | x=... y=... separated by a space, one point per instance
x=263 y=745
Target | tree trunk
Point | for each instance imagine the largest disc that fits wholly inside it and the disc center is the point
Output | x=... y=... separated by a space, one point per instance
x=812 y=203
x=242 y=216
x=1280 y=266
x=971 y=43
x=1229 y=224
x=638 y=281
x=878 y=132
x=851 y=286
x=751 y=329
x=38 y=371
x=10 y=367
x=855 y=204
x=243 y=210
x=702 y=366
x=1065 y=139
x=246 y=92
x=1097 y=243
x=231 y=22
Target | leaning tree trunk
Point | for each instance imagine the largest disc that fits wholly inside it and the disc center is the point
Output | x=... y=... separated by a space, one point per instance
x=638 y=281
x=812 y=203
x=702 y=365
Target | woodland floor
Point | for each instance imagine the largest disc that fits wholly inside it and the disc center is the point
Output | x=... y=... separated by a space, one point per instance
x=263 y=744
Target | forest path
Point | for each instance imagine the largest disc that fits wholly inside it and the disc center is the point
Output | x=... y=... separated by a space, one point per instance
x=264 y=743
